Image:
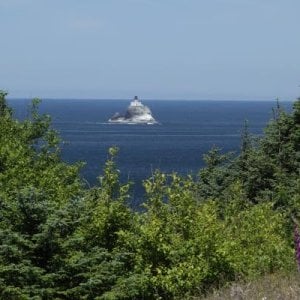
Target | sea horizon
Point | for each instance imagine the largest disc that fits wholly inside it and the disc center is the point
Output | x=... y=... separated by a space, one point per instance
x=187 y=130
x=150 y=99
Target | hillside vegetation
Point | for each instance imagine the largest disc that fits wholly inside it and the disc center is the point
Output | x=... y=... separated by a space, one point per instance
x=269 y=287
x=235 y=221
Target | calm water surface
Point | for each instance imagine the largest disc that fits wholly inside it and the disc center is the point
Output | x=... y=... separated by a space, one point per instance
x=188 y=129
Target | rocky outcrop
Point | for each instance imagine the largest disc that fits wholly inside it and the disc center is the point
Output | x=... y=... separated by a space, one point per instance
x=136 y=113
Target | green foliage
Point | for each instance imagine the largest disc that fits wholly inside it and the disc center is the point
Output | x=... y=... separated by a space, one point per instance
x=256 y=242
x=94 y=257
x=185 y=246
x=3 y=106
x=106 y=210
x=216 y=175
x=34 y=185
x=60 y=240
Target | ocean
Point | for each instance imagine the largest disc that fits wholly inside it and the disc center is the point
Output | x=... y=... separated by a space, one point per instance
x=187 y=130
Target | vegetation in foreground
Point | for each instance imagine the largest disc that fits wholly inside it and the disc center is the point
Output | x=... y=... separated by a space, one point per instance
x=60 y=240
x=272 y=286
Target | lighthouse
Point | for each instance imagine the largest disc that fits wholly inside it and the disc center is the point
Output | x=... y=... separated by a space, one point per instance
x=136 y=102
x=136 y=113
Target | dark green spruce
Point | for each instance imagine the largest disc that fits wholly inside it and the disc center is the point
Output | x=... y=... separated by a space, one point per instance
x=62 y=240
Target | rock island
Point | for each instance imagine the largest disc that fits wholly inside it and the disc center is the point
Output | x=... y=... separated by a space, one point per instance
x=136 y=113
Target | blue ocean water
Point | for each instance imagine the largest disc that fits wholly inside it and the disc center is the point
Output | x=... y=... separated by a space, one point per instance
x=187 y=130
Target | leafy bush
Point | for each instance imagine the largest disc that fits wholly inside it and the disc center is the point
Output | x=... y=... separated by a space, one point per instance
x=61 y=240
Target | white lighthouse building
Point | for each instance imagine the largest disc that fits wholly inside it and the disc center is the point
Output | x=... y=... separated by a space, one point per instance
x=136 y=113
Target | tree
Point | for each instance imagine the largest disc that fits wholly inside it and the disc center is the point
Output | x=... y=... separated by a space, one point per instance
x=35 y=184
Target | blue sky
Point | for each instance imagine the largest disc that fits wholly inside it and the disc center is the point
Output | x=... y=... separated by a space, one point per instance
x=157 y=49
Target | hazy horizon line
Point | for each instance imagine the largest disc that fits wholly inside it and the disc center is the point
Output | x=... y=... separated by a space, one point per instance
x=148 y=99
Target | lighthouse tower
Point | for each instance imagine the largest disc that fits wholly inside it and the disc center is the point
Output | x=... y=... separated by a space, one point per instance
x=136 y=102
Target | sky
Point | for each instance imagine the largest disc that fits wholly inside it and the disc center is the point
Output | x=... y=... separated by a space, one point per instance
x=156 y=49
